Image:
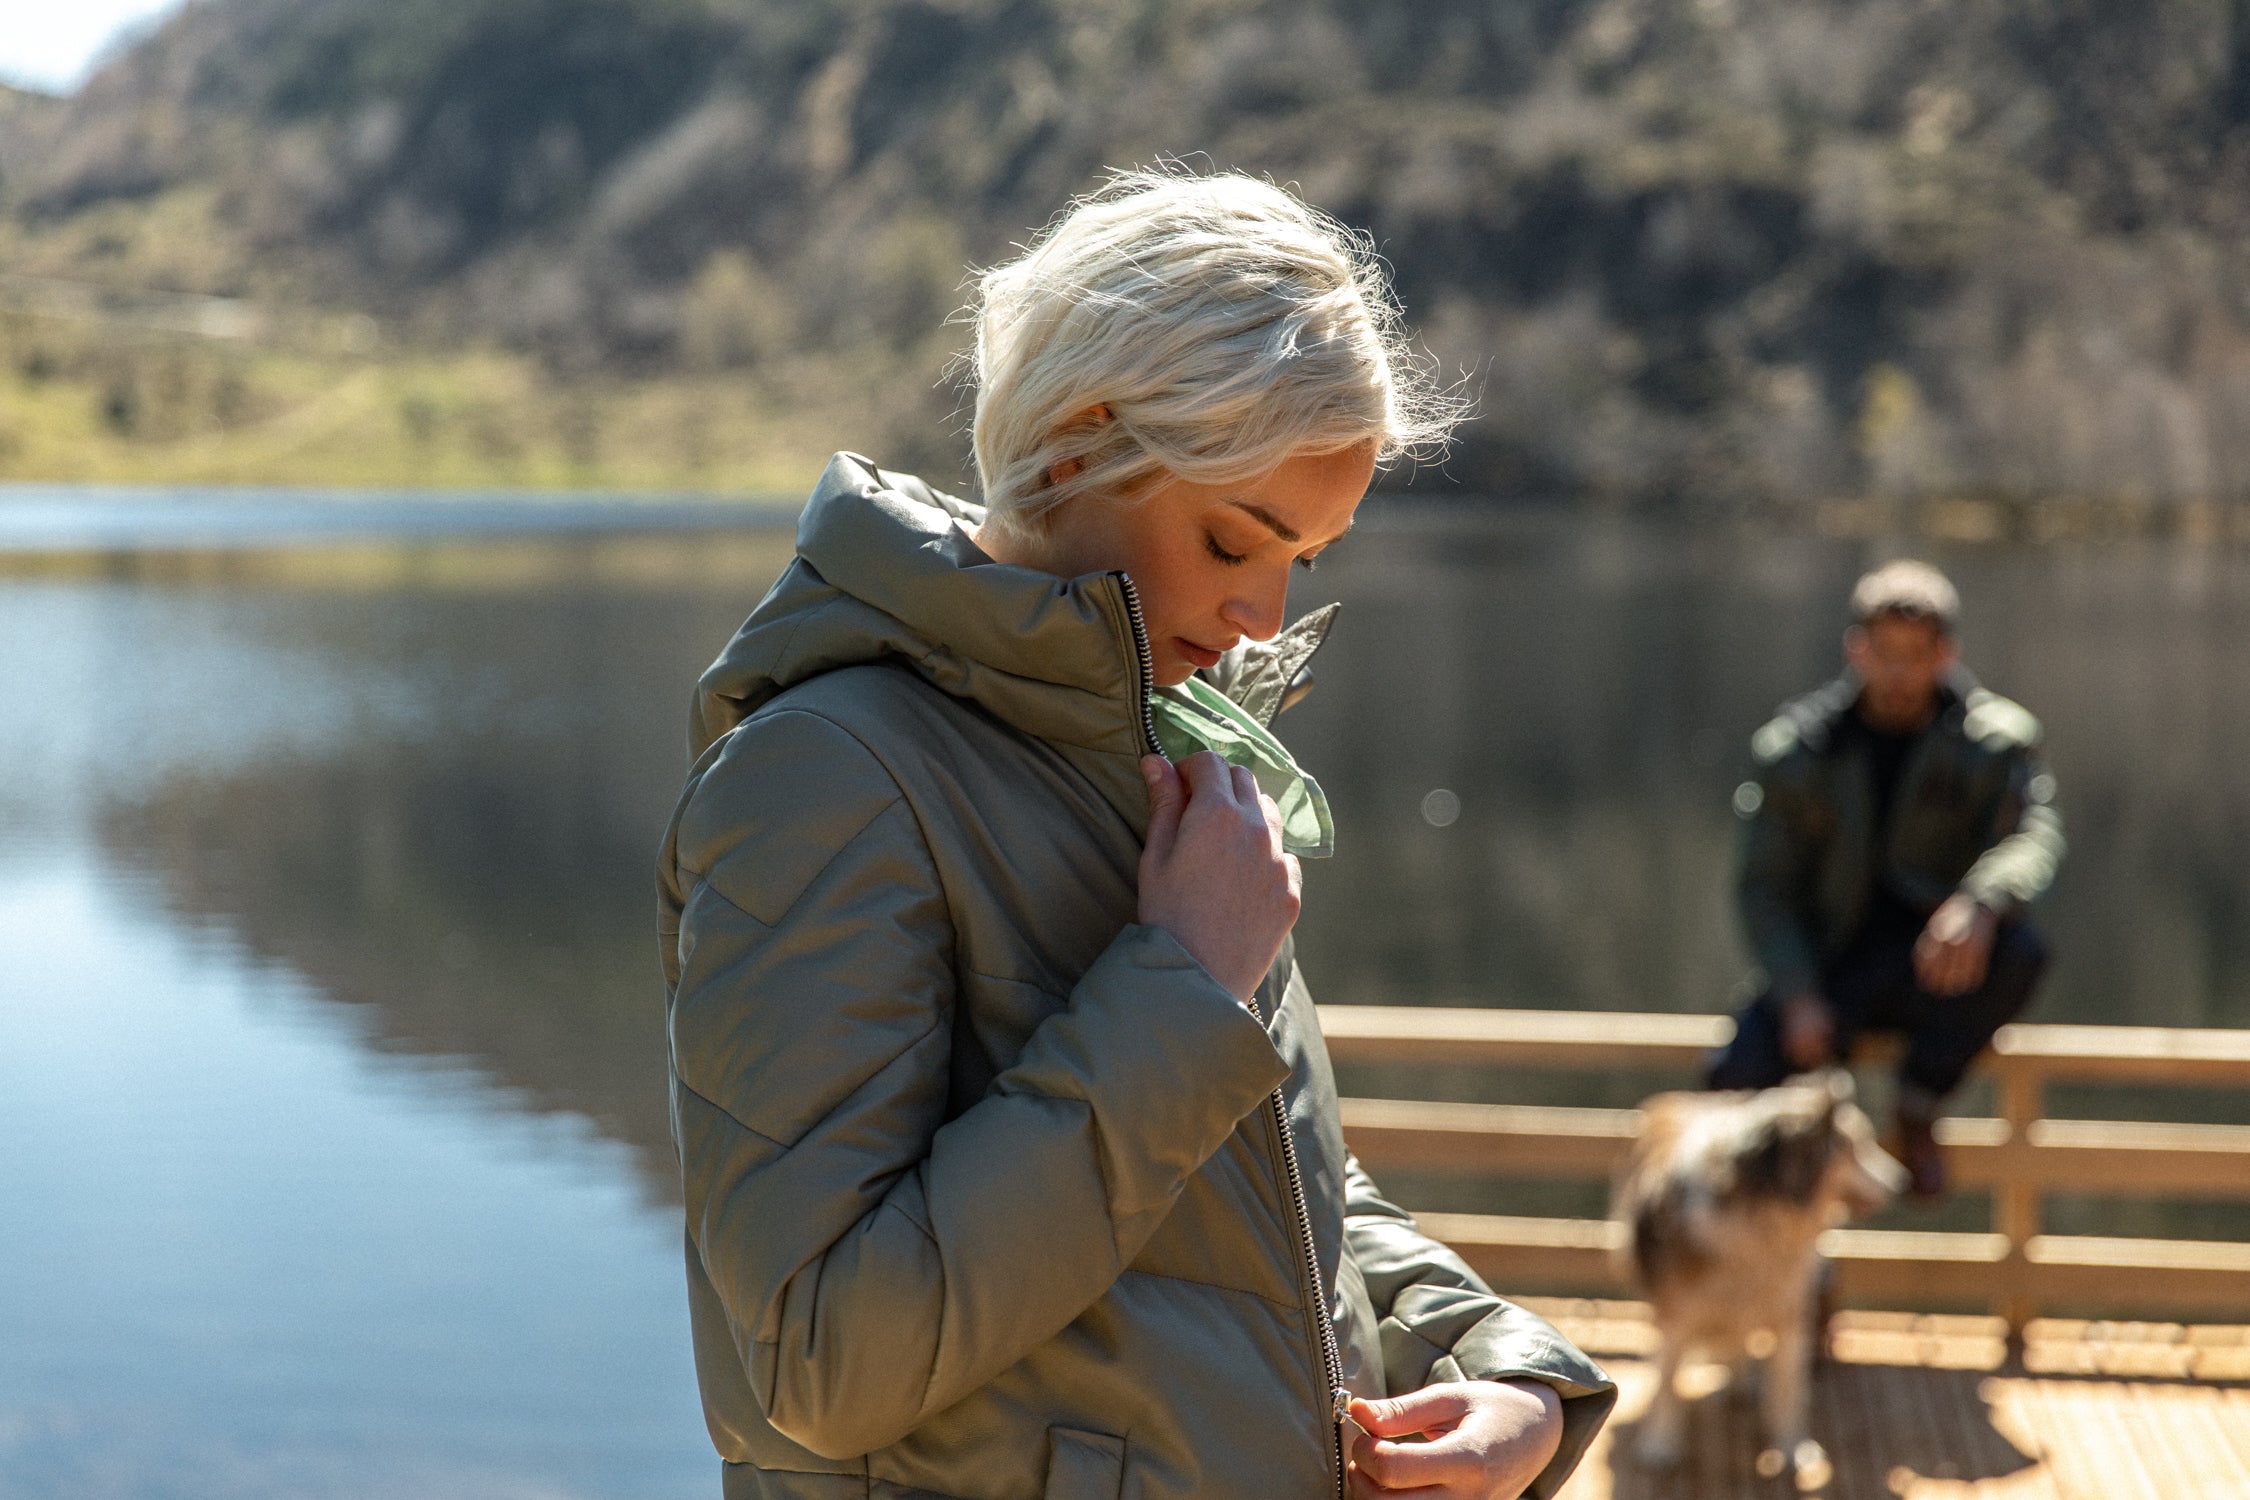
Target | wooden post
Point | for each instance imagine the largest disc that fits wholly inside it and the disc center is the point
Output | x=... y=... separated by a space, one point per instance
x=2015 y=1200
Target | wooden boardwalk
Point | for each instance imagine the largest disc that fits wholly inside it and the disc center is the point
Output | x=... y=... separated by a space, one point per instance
x=1932 y=1408
x=1912 y=1406
x=2014 y=1268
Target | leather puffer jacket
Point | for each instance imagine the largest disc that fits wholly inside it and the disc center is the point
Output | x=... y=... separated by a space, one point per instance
x=992 y=1192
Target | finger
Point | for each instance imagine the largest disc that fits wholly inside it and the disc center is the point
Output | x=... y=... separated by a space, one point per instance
x=1245 y=786
x=1949 y=968
x=1961 y=974
x=1208 y=776
x=1295 y=874
x=1365 y=1486
x=1272 y=811
x=1976 y=963
x=1936 y=972
x=1416 y=1466
x=1926 y=961
x=1167 y=795
x=1416 y=1411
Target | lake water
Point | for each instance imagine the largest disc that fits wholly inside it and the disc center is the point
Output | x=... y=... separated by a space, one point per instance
x=330 y=1027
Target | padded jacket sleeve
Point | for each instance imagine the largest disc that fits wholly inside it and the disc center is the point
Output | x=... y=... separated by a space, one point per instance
x=2027 y=837
x=1441 y=1322
x=877 y=1259
x=1775 y=871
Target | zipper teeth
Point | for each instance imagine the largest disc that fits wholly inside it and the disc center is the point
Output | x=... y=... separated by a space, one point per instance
x=1331 y=1358
x=1147 y=661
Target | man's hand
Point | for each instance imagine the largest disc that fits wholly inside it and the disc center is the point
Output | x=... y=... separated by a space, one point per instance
x=1955 y=949
x=1485 y=1440
x=1808 y=1030
x=1213 y=872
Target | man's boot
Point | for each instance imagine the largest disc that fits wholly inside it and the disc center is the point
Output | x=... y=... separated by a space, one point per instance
x=1917 y=1146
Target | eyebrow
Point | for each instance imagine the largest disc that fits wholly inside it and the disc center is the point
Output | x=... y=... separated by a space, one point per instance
x=1286 y=533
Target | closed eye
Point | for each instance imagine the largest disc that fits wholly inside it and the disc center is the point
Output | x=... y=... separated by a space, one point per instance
x=1211 y=545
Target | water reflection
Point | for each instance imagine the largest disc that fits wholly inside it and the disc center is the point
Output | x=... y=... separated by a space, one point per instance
x=330 y=1064
x=248 y=1257
x=1587 y=689
x=330 y=1053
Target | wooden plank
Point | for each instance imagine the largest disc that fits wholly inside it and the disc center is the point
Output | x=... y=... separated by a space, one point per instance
x=1654 y=1040
x=1510 y=1139
x=1916 y=1265
x=2131 y=1158
x=2170 y=1256
x=1550 y=1255
x=1548 y=1038
x=1582 y=1255
x=2120 y=1054
x=2139 y=1158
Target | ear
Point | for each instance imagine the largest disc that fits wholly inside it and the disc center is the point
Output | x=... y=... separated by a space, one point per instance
x=1069 y=468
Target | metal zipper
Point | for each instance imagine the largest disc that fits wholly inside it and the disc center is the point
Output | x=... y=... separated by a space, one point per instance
x=1331 y=1358
x=1147 y=662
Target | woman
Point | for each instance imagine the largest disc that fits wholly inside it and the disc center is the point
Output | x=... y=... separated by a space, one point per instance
x=1010 y=1147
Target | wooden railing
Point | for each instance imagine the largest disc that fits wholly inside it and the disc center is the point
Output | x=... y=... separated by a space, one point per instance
x=2020 y=1156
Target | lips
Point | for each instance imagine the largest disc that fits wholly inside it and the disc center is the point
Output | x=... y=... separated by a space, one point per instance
x=1194 y=655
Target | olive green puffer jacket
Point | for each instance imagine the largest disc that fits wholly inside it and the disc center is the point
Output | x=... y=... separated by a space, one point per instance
x=987 y=1191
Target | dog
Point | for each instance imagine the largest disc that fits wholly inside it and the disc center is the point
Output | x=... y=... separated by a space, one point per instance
x=1723 y=1199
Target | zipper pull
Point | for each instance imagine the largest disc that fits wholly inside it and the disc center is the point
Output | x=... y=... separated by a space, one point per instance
x=1348 y=1432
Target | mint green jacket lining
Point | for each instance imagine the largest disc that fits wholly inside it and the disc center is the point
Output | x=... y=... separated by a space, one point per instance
x=1195 y=716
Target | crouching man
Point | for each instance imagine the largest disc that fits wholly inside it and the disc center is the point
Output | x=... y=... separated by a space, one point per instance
x=1899 y=825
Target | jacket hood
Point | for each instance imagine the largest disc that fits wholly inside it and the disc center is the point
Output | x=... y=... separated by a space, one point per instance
x=886 y=569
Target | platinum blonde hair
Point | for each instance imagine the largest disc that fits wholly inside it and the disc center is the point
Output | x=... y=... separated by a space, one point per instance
x=1223 y=326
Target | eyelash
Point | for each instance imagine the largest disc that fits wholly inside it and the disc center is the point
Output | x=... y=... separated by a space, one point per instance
x=1231 y=559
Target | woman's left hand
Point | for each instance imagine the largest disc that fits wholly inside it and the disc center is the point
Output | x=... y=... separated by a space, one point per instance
x=1486 y=1440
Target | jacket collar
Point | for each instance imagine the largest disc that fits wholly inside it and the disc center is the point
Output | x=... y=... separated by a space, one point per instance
x=1819 y=714
x=886 y=569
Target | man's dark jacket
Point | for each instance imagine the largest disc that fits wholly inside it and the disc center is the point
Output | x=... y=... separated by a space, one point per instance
x=1973 y=812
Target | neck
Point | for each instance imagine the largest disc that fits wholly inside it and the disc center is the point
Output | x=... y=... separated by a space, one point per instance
x=1898 y=723
x=1004 y=544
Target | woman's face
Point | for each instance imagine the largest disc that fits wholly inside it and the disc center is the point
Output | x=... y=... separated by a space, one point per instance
x=1212 y=562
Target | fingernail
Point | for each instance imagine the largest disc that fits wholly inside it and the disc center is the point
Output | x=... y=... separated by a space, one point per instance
x=1151 y=770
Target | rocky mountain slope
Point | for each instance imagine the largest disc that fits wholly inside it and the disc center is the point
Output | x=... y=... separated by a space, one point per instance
x=1743 y=251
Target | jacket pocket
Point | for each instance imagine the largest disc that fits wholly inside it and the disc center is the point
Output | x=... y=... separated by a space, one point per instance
x=1084 y=1465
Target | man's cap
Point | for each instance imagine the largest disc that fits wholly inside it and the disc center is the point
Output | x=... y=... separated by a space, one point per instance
x=1907 y=588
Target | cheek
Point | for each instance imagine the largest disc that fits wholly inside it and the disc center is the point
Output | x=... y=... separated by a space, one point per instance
x=1182 y=582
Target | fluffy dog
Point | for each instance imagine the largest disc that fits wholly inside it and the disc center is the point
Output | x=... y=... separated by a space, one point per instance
x=1723 y=1199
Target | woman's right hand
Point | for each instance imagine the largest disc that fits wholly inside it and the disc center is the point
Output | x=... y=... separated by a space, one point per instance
x=1213 y=872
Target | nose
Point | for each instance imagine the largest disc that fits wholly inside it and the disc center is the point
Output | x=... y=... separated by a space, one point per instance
x=1257 y=608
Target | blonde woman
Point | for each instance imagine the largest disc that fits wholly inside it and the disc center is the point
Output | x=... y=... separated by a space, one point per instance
x=1009 y=1144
